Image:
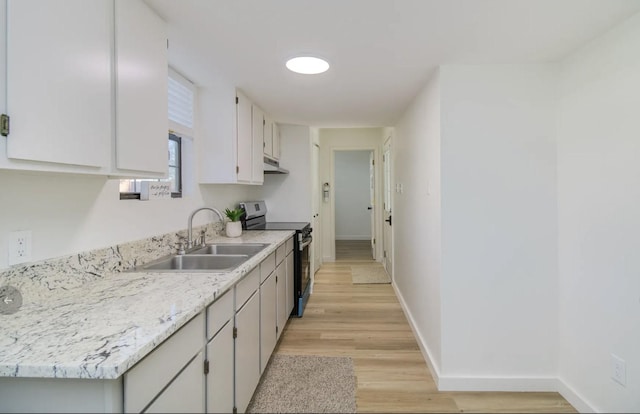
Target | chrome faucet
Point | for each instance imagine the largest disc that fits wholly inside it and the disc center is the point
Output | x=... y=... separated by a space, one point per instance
x=190 y=223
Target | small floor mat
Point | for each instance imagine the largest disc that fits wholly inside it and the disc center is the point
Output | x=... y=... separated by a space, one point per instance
x=306 y=384
x=369 y=274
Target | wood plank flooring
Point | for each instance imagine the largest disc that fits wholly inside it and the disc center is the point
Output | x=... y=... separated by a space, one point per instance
x=367 y=323
x=353 y=250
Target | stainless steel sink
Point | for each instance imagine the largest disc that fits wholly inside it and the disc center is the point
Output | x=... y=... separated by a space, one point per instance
x=196 y=263
x=248 y=249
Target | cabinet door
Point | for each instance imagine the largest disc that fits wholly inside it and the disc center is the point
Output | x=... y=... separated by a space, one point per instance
x=185 y=394
x=275 y=144
x=220 y=378
x=141 y=89
x=268 y=137
x=291 y=297
x=59 y=81
x=257 y=175
x=282 y=302
x=268 y=322
x=247 y=352
x=244 y=145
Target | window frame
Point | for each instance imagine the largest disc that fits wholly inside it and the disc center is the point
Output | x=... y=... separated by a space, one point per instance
x=178 y=139
x=174 y=194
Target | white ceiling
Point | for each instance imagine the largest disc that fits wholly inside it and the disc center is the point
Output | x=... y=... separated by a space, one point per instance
x=381 y=51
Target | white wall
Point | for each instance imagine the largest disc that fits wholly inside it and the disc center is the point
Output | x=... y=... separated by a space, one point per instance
x=475 y=226
x=332 y=139
x=416 y=218
x=288 y=196
x=353 y=220
x=70 y=214
x=499 y=232
x=599 y=220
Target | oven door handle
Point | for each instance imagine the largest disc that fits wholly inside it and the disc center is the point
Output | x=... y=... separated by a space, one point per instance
x=305 y=244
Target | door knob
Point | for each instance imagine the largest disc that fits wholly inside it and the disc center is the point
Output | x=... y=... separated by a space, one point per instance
x=369 y=208
x=388 y=220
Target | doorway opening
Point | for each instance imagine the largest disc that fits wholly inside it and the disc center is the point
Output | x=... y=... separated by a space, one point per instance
x=354 y=181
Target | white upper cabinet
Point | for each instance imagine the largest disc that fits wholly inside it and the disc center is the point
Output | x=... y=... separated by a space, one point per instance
x=59 y=82
x=74 y=93
x=257 y=171
x=268 y=136
x=141 y=89
x=271 y=139
x=244 y=113
x=275 y=144
x=230 y=144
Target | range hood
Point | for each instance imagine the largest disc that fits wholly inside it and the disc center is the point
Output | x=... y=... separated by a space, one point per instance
x=273 y=167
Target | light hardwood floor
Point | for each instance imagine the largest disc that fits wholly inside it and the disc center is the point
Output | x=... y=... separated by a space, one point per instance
x=353 y=250
x=367 y=323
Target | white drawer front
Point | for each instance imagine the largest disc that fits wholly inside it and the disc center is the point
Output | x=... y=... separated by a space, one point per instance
x=281 y=253
x=267 y=266
x=219 y=313
x=289 y=245
x=145 y=380
x=246 y=287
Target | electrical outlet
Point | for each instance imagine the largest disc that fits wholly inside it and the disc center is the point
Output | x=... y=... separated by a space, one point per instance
x=19 y=247
x=618 y=370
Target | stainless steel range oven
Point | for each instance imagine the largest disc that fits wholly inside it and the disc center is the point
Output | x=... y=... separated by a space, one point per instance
x=255 y=218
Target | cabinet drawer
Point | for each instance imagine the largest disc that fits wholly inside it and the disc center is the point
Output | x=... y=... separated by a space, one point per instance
x=289 y=245
x=149 y=376
x=246 y=287
x=219 y=312
x=267 y=266
x=281 y=253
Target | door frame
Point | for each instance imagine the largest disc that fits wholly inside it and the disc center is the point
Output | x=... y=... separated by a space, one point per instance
x=377 y=212
x=388 y=141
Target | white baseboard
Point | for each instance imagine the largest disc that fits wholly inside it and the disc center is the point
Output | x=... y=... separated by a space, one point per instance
x=508 y=384
x=353 y=237
x=435 y=372
x=575 y=399
x=539 y=384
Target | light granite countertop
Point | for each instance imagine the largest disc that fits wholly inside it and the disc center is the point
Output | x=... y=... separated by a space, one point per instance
x=102 y=327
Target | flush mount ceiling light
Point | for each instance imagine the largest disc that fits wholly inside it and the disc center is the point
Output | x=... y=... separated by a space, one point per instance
x=307 y=65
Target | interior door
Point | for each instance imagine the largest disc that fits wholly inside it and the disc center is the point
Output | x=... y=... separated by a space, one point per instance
x=372 y=202
x=387 y=229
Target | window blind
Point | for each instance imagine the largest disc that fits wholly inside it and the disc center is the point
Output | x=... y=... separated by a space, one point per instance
x=181 y=101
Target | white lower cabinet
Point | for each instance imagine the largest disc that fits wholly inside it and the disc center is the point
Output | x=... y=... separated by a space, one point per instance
x=268 y=334
x=247 y=352
x=185 y=394
x=281 y=298
x=220 y=377
x=291 y=294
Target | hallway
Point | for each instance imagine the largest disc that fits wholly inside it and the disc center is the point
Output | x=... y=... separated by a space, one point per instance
x=353 y=250
x=366 y=323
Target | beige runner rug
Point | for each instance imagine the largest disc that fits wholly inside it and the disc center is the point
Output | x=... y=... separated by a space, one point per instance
x=369 y=274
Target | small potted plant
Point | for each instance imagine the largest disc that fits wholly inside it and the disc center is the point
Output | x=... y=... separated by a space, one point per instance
x=234 y=226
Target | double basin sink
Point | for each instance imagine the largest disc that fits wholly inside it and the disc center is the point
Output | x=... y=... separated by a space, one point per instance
x=219 y=257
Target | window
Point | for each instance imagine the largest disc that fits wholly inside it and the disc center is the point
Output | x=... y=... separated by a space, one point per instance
x=181 y=95
x=130 y=189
